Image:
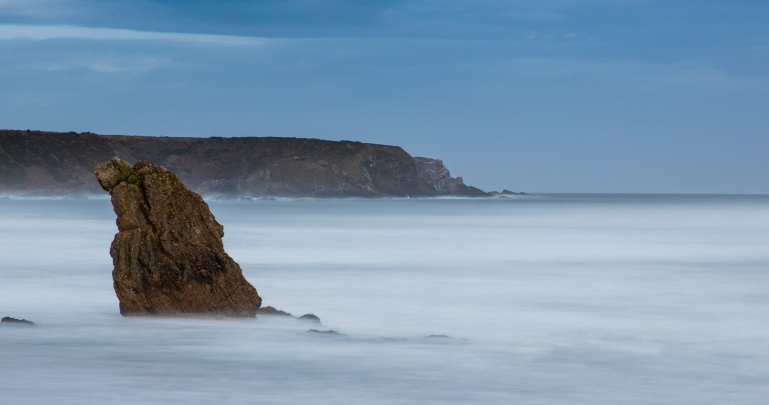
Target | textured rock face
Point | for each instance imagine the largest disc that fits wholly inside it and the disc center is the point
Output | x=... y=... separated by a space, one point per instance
x=168 y=255
x=435 y=173
x=49 y=163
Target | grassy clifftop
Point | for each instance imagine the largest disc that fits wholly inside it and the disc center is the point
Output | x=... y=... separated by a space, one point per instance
x=61 y=163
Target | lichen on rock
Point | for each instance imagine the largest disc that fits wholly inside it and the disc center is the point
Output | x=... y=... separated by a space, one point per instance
x=168 y=254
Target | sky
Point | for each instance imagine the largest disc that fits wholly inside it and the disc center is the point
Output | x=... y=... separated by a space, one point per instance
x=612 y=96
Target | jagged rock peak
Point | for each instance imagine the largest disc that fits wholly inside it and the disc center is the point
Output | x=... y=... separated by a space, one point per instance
x=168 y=254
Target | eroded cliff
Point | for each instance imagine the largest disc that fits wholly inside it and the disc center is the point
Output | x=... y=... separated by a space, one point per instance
x=51 y=163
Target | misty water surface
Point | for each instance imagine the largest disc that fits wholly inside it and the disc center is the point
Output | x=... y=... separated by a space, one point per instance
x=549 y=300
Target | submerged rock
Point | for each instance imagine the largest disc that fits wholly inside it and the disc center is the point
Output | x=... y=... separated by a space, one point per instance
x=507 y=192
x=443 y=339
x=309 y=317
x=329 y=333
x=168 y=255
x=272 y=311
x=9 y=320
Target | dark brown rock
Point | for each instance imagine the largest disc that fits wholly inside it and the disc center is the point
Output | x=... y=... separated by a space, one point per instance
x=168 y=255
x=272 y=311
x=9 y=320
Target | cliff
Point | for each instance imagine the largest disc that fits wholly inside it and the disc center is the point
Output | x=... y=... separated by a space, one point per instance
x=54 y=163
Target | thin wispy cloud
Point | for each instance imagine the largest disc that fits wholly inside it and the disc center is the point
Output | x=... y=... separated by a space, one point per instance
x=47 y=32
x=108 y=64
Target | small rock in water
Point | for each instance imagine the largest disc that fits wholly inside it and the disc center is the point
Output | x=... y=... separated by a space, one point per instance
x=272 y=311
x=9 y=320
x=508 y=192
x=309 y=317
x=329 y=333
x=443 y=338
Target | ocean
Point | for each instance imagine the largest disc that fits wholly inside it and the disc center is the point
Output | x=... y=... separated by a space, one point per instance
x=548 y=299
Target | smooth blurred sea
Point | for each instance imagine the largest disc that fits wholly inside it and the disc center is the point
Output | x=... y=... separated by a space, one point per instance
x=552 y=299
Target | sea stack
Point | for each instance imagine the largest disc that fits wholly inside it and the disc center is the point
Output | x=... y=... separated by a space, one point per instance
x=168 y=254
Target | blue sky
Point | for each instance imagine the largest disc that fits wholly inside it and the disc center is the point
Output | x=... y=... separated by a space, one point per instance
x=547 y=95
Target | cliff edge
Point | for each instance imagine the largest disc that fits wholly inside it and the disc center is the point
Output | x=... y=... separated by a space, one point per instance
x=55 y=163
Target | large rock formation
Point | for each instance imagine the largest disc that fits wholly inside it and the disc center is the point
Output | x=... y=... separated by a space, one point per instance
x=51 y=163
x=168 y=255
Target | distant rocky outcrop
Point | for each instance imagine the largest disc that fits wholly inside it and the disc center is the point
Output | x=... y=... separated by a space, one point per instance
x=310 y=318
x=437 y=175
x=168 y=255
x=51 y=163
x=506 y=193
x=272 y=311
x=437 y=337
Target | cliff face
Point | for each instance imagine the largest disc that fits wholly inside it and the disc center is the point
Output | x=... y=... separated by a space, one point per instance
x=438 y=176
x=60 y=163
x=50 y=162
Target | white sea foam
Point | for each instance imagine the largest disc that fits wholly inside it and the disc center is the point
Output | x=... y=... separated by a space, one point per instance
x=553 y=300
